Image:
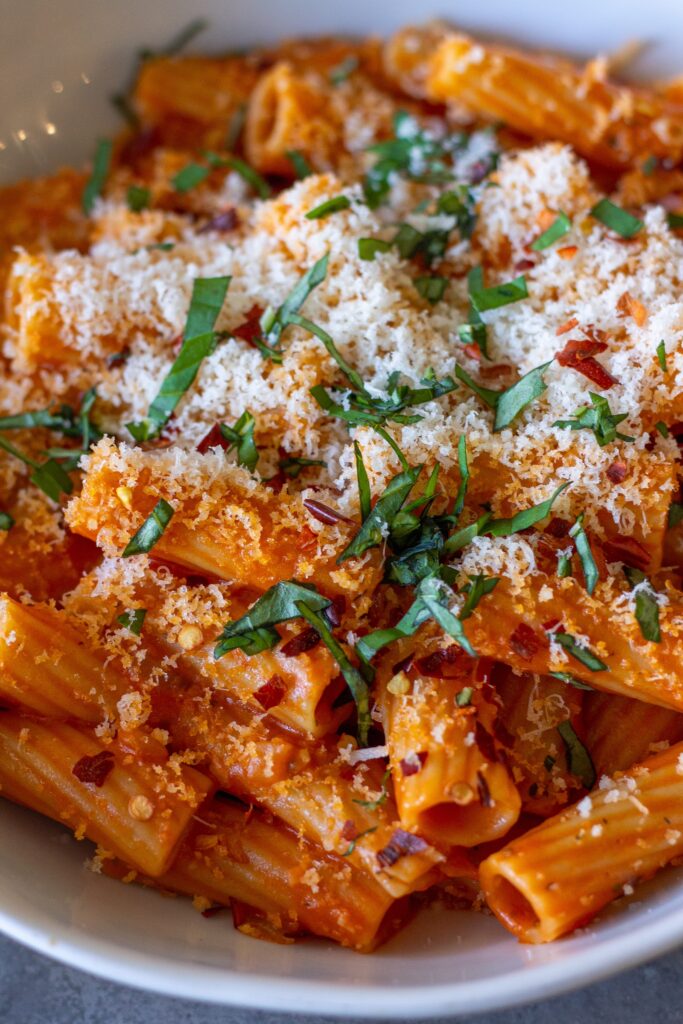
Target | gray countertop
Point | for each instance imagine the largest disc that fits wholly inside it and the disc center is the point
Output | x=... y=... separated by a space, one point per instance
x=34 y=990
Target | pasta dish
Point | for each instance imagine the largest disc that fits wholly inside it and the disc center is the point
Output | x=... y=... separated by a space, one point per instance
x=341 y=538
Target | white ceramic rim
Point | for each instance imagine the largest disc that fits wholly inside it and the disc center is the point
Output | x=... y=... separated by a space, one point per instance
x=113 y=962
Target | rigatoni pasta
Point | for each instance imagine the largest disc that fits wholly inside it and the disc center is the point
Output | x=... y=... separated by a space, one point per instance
x=340 y=409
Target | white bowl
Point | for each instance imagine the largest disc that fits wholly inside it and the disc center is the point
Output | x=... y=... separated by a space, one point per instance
x=59 y=61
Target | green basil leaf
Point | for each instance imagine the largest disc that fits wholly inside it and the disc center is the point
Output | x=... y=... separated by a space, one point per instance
x=291 y=465
x=463 y=698
x=488 y=395
x=236 y=126
x=133 y=620
x=314 y=276
x=348 y=371
x=49 y=476
x=558 y=229
x=582 y=654
x=599 y=418
x=363 y=483
x=254 y=631
x=579 y=761
x=241 y=437
x=661 y=428
x=459 y=503
x=6 y=521
x=478 y=587
x=199 y=341
x=189 y=176
x=372 y=805
x=661 y=355
x=378 y=522
x=138 y=198
x=523 y=520
x=570 y=680
x=151 y=531
x=301 y=166
x=675 y=514
x=675 y=221
x=369 y=247
x=340 y=72
x=431 y=288
x=515 y=398
x=461 y=538
x=618 y=220
x=253 y=179
x=354 y=680
x=100 y=170
x=590 y=569
x=647 y=606
x=498 y=295
x=333 y=205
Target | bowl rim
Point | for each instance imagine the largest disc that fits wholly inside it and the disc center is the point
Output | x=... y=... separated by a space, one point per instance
x=166 y=976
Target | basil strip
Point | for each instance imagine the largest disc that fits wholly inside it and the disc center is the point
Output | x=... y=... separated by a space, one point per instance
x=246 y=173
x=151 y=531
x=478 y=587
x=464 y=697
x=138 y=198
x=364 y=493
x=590 y=569
x=333 y=205
x=618 y=220
x=6 y=521
x=675 y=514
x=340 y=72
x=498 y=295
x=488 y=395
x=50 y=477
x=100 y=169
x=189 y=177
x=579 y=761
x=661 y=355
x=558 y=229
x=570 y=680
x=582 y=654
x=276 y=322
x=511 y=401
x=599 y=418
x=133 y=620
x=459 y=503
x=301 y=166
x=241 y=437
x=254 y=632
x=376 y=524
x=647 y=606
x=369 y=247
x=474 y=332
x=291 y=465
x=431 y=288
x=354 y=680
x=523 y=520
x=675 y=221
x=199 y=341
x=461 y=538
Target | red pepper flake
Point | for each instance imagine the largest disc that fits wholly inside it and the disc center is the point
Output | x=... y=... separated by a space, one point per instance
x=578 y=355
x=225 y=221
x=567 y=252
x=213 y=911
x=436 y=665
x=94 y=771
x=271 y=693
x=524 y=641
x=567 y=326
x=558 y=527
x=404 y=665
x=400 y=845
x=627 y=550
x=213 y=439
x=349 y=830
x=413 y=764
x=483 y=791
x=323 y=513
x=616 y=472
x=628 y=306
x=550 y=625
x=473 y=351
x=304 y=641
x=251 y=328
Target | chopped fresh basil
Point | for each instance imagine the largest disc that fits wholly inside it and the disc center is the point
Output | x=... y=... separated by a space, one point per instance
x=302 y=168
x=478 y=587
x=241 y=437
x=558 y=229
x=376 y=525
x=649 y=166
x=333 y=205
x=564 y=565
x=618 y=220
x=274 y=322
x=661 y=355
x=579 y=761
x=291 y=465
x=100 y=169
x=255 y=181
x=459 y=503
x=199 y=341
x=372 y=805
x=570 y=680
x=369 y=247
x=354 y=680
x=498 y=295
x=364 y=493
x=464 y=697
x=254 y=632
x=151 y=531
x=340 y=72
x=189 y=177
x=590 y=569
x=459 y=202
x=50 y=477
x=138 y=198
x=431 y=288
x=675 y=514
x=522 y=520
x=647 y=606
x=6 y=521
x=133 y=620
x=236 y=126
x=549 y=763
x=675 y=221
x=474 y=331
x=661 y=428
x=599 y=418
x=461 y=538
x=352 y=845
x=511 y=401
x=581 y=653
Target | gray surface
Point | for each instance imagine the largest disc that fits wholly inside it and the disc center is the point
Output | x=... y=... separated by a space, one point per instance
x=34 y=990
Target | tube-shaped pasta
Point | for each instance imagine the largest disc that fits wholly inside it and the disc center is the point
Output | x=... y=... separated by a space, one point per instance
x=621 y=732
x=224 y=524
x=131 y=799
x=248 y=856
x=559 y=875
x=450 y=780
x=46 y=667
x=548 y=97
